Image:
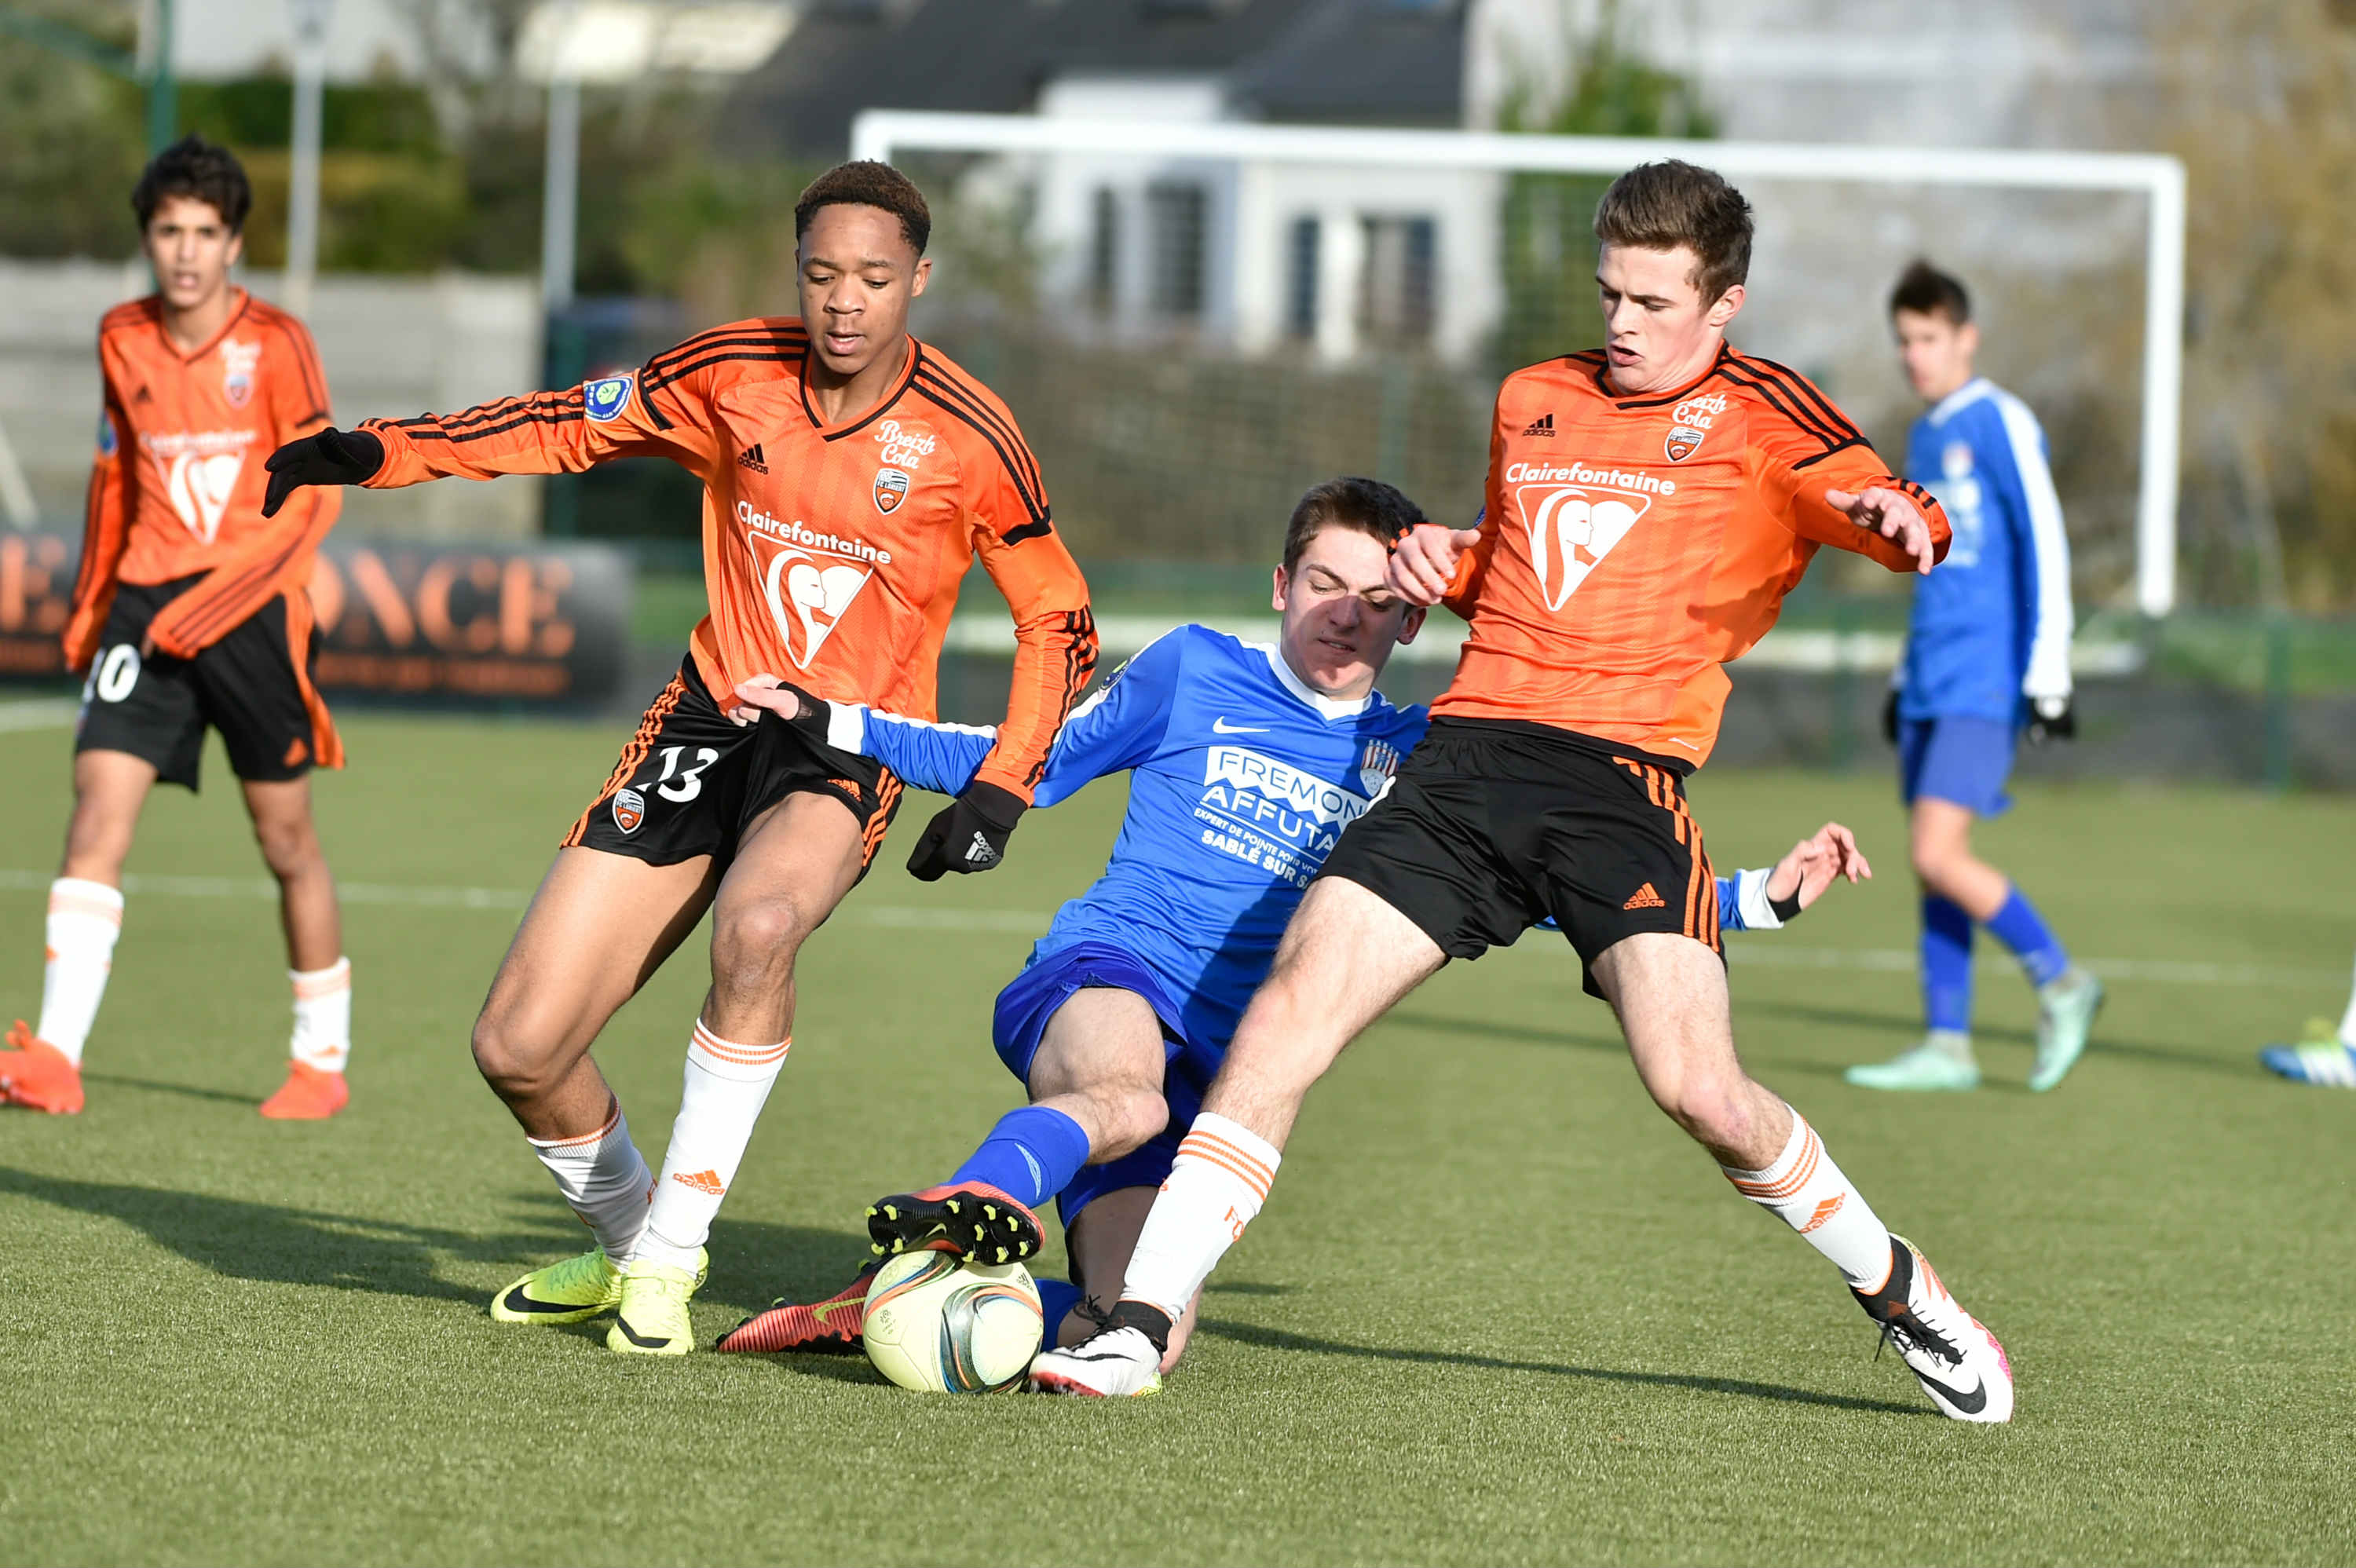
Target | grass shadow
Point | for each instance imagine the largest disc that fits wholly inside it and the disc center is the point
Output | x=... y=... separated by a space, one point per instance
x=756 y=1261
x=1279 y=1339
x=157 y=1087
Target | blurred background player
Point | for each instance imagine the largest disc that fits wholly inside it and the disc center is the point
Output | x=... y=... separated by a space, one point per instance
x=1245 y=762
x=2326 y=1058
x=1987 y=654
x=834 y=541
x=189 y=612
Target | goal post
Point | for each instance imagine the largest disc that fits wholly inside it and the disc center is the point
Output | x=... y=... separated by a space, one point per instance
x=883 y=133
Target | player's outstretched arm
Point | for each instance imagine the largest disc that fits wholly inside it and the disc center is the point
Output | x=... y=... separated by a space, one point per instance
x=1424 y=566
x=1769 y=899
x=1894 y=514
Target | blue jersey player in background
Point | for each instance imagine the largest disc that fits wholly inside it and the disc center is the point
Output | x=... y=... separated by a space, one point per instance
x=1988 y=656
x=1245 y=762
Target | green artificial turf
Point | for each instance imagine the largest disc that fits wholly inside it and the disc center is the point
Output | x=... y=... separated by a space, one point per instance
x=1498 y=1311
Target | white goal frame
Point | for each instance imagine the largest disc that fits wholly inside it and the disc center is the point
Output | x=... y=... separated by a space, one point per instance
x=880 y=133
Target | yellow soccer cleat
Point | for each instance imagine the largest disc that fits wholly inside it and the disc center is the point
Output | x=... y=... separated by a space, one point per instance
x=651 y=1318
x=573 y=1291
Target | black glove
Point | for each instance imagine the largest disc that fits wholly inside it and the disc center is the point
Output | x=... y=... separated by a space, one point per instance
x=331 y=457
x=811 y=716
x=1890 y=717
x=969 y=834
x=2051 y=719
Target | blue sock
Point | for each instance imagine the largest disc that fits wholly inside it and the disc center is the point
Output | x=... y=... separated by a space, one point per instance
x=1031 y=1155
x=1056 y=1300
x=2019 y=927
x=1946 y=964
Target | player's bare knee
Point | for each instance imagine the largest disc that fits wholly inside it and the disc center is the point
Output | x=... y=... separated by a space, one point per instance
x=1129 y=1117
x=753 y=943
x=291 y=849
x=516 y=1064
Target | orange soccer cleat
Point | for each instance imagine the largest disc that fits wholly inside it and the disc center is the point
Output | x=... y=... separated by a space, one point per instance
x=38 y=1075
x=309 y=1095
x=825 y=1328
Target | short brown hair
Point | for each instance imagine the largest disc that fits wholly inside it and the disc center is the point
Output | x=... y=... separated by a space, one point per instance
x=865 y=183
x=195 y=167
x=1659 y=206
x=1363 y=506
x=1926 y=291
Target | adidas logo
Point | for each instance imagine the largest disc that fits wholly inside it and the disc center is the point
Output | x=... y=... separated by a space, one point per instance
x=751 y=458
x=980 y=853
x=707 y=1182
x=1643 y=898
x=1543 y=425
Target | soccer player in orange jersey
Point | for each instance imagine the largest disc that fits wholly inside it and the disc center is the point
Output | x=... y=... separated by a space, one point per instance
x=189 y=612
x=850 y=475
x=1648 y=507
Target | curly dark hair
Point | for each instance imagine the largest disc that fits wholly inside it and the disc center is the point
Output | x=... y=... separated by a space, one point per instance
x=865 y=183
x=1364 y=506
x=193 y=167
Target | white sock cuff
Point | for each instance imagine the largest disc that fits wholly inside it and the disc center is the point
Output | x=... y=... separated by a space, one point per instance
x=1234 y=1148
x=311 y=983
x=1788 y=1172
x=726 y=1059
x=73 y=895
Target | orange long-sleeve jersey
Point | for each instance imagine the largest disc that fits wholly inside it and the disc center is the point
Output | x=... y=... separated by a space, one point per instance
x=1632 y=545
x=831 y=553
x=178 y=483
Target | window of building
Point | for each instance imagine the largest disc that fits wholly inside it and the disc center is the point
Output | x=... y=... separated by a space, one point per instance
x=1301 y=278
x=1178 y=212
x=1104 y=249
x=1398 y=282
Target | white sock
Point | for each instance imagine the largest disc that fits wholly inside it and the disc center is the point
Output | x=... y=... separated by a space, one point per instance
x=323 y=1015
x=85 y=918
x=726 y=1085
x=602 y=1176
x=2348 y=1023
x=1807 y=1191
x=1215 y=1189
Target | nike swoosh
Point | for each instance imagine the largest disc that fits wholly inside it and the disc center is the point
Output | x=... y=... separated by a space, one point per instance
x=1970 y=1404
x=823 y=1308
x=516 y=1301
x=644 y=1342
x=1221 y=727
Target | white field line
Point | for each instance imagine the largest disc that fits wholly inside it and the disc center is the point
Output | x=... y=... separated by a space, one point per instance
x=1766 y=952
x=38 y=713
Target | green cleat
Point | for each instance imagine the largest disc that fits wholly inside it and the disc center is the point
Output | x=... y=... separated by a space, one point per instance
x=1925 y=1067
x=573 y=1291
x=2065 y=1016
x=651 y=1318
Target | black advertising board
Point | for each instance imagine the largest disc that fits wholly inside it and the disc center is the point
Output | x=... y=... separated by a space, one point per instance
x=498 y=624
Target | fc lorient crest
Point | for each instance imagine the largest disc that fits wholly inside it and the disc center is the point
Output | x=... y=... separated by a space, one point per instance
x=890 y=489
x=238 y=362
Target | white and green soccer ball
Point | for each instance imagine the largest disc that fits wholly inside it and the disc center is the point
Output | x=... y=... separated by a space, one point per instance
x=940 y=1325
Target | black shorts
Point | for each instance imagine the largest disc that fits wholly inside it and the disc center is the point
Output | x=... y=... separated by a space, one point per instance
x=1493 y=826
x=253 y=685
x=691 y=779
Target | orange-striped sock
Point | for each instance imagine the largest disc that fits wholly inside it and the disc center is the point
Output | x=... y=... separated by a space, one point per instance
x=1809 y=1193
x=726 y=1085
x=604 y=1179
x=1215 y=1189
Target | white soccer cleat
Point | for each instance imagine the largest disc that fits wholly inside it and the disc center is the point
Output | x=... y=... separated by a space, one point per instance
x=1116 y=1363
x=1957 y=1361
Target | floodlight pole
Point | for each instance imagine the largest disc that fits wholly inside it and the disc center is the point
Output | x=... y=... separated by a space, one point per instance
x=311 y=17
x=561 y=194
x=163 y=87
x=878 y=133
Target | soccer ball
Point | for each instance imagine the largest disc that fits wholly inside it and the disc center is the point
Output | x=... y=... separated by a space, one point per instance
x=940 y=1325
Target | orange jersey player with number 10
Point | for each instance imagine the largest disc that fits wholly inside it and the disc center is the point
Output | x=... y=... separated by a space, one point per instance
x=850 y=475
x=189 y=614
x=1649 y=504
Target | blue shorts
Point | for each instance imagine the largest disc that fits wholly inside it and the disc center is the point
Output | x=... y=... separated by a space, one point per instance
x=1032 y=998
x=1957 y=759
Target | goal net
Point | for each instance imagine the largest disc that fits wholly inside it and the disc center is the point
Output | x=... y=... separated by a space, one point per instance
x=1194 y=321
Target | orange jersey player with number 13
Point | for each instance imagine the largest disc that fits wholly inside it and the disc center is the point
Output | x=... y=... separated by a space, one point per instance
x=1649 y=504
x=850 y=473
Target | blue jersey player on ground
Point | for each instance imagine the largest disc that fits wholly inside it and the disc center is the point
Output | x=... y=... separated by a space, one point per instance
x=1245 y=761
x=1988 y=655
